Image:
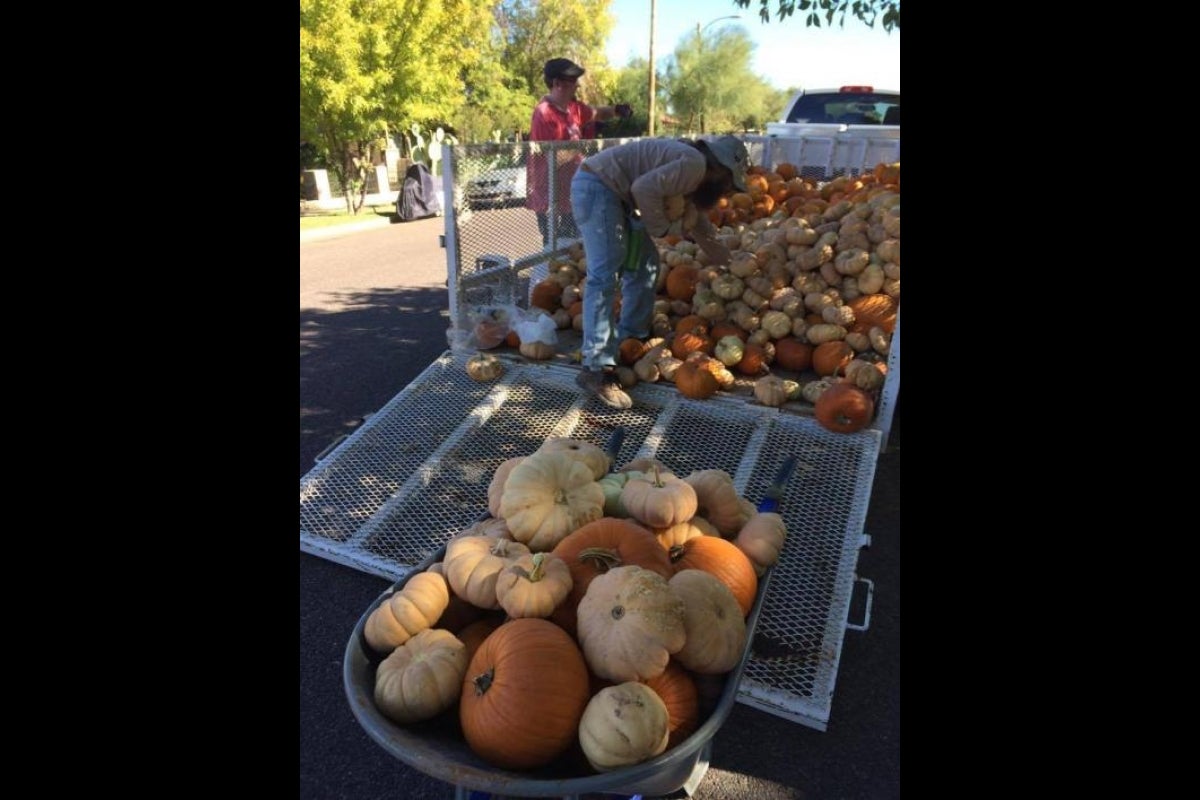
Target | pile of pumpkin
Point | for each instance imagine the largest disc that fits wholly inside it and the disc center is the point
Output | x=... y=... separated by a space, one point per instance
x=813 y=286
x=592 y=617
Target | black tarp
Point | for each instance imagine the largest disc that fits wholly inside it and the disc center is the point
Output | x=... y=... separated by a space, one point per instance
x=418 y=197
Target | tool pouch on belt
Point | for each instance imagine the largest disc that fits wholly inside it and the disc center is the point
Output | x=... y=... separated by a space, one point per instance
x=638 y=241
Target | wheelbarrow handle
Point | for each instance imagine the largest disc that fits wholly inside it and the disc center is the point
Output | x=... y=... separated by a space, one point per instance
x=774 y=494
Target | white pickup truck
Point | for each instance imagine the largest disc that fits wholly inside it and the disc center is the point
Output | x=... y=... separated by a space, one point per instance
x=831 y=132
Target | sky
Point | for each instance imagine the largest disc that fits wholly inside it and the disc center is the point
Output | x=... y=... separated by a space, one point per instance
x=788 y=53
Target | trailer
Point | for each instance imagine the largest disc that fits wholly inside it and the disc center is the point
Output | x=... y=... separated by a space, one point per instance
x=386 y=499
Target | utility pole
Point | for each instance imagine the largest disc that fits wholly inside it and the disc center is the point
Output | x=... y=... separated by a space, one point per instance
x=652 y=19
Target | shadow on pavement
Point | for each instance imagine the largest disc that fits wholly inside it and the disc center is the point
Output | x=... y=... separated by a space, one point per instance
x=347 y=355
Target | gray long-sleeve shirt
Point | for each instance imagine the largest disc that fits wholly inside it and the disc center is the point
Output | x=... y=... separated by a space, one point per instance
x=644 y=173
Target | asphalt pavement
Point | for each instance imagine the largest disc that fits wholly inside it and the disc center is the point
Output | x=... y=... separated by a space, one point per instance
x=372 y=317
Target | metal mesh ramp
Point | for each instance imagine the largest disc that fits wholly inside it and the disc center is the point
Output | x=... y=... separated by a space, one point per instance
x=417 y=472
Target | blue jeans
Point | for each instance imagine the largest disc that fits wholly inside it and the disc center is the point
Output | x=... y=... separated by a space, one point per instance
x=607 y=234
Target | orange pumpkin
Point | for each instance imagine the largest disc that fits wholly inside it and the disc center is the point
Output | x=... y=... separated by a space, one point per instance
x=681 y=282
x=547 y=295
x=785 y=170
x=694 y=381
x=794 y=354
x=692 y=323
x=725 y=328
x=474 y=634
x=831 y=357
x=754 y=360
x=677 y=690
x=844 y=408
x=871 y=310
x=724 y=561
x=599 y=546
x=630 y=350
x=524 y=693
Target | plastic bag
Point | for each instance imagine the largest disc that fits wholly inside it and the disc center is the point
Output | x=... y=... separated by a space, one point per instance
x=487 y=328
x=534 y=325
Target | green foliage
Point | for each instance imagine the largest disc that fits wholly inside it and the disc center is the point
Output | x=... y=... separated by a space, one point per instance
x=370 y=66
x=530 y=33
x=886 y=12
x=711 y=86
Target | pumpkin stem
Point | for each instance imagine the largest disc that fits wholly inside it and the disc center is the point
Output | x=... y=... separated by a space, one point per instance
x=657 y=477
x=675 y=553
x=560 y=496
x=536 y=575
x=484 y=682
x=604 y=558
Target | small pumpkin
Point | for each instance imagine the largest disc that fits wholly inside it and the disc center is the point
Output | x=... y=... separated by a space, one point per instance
x=547 y=496
x=761 y=539
x=473 y=565
x=496 y=487
x=612 y=484
x=844 y=408
x=659 y=499
x=629 y=624
x=546 y=295
x=484 y=367
x=678 y=534
x=591 y=456
x=714 y=624
x=523 y=695
x=676 y=688
x=474 y=634
x=598 y=547
x=538 y=351
x=622 y=725
x=832 y=357
x=533 y=585
x=770 y=391
x=717 y=499
x=722 y=559
x=459 y=613
x=422 y=677
x=874 y=309
x=407 y=612
x=793 y=354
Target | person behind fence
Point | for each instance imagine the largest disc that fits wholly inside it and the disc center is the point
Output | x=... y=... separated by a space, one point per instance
x=559 y=117
x=620 y=198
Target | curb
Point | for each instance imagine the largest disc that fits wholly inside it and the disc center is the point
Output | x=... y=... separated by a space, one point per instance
x=331 y=231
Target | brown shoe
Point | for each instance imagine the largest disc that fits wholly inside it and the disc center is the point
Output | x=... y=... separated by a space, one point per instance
x=606 y=387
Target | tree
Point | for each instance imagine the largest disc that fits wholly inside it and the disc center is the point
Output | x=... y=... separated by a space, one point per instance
x=887 y=12
x=710 y=86
x=371 y=67
x=533 y=32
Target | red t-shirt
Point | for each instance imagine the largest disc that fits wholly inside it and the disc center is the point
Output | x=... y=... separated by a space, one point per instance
x=551 y=124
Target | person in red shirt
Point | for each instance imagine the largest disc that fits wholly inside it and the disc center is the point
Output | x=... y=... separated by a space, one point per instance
x=559 y=117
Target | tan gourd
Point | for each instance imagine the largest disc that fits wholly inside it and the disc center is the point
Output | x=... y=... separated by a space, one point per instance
x=472 y=565
x=547 y=496
x=622 y=725
x=421 y=678
x=714 y=626
x=629 y=623
x=659 y=499
x=761 y=539
x=717 y=499
x=533 y=585
x=407 y=612
x=591 y=456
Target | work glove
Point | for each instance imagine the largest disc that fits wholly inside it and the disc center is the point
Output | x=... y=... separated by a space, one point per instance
x=624 y=110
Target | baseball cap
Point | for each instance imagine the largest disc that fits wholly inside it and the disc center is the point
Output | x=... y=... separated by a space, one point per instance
x=561 y=68
x=731 y=153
